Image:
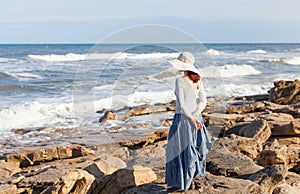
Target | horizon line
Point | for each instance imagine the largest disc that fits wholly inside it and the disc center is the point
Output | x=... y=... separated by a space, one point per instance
x=93 y=43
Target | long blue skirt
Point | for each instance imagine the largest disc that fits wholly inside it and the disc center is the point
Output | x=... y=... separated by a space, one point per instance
x=186 y=152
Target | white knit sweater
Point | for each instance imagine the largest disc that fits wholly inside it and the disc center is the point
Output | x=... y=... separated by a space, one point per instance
x=189 y=100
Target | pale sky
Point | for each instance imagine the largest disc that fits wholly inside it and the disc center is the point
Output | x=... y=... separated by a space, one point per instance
x=54 y=21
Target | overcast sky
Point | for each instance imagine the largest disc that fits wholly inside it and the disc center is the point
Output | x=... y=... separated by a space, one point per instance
x=79 y=21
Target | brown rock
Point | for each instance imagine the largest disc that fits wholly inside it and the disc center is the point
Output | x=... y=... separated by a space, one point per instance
x=257 y=129
x=225 y=159
x=291 y=185
x=269 y=177
x=128 y=177
x=246 y=108
x=7 y=169
x=288 y=140
x=209 y=184
x=280 y=117
x=105 y=165
x=157 y=135
x=142 y=110
x=282 y=124
x=152 y=156
x=293 y=109
x=236 y=128
x=137 y=111
x=109 y=115
x=10 y=189
x=221 y=119
x=287 y=155
x=255 y=135
x=75 y=181
x=286 y=92
x=40 y=179
x=34 y=157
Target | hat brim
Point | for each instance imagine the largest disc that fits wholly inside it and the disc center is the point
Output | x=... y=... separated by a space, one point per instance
x=183 y=66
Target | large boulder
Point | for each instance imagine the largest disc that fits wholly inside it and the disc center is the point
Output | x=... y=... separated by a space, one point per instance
x=253 y=136
x=226 y=159
x=102 y=168
x=269 y=177
x=75 y=181
x=288 y=155
x=291 y=185
x=106 y=165
x=128 y=177
x=286 y=92
x=282 y=124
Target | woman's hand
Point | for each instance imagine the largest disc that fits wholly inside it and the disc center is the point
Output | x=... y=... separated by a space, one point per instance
x=197 y=123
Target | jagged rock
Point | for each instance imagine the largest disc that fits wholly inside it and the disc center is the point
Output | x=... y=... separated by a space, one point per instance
x=167 y=122
x=7 y=169
x=291 y=185
x=152 y=156
x=269 y=177
x=111 y=116
x=142 y=110
x=34 y=157
x=271 y=143
x=236 y=128
x=209 y=184
x=282 y=154
x=105 y=165
x=40 y=179
x=254 y=136
x=10 y=189
x=225 y=159
x=137 y=111
x=157 y=135
x=286 y=128
x=245 y=108
x=293 y=109
x=286 y=92
x=128 y=177
x=280 y=117
x=257 y=129
x=75 y=181
x=282 y=124
x=223 y=119
x=288 y=140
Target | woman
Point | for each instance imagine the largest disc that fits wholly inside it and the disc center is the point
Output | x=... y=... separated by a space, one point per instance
x=188 y=141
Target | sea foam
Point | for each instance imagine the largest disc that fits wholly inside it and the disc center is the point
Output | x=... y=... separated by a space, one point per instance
x=259 y=51
x=34 y=114
x=94 y=56
x=231 y=70
x=290 y=61
x=58 y=58
x=214 y=52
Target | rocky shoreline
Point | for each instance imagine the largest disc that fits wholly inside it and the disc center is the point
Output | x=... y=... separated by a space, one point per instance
x=256 y=149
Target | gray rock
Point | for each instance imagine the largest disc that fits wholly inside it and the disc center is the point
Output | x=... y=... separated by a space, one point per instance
x=269 y=177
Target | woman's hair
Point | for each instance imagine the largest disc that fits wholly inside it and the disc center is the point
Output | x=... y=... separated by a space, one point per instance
x=193 y=76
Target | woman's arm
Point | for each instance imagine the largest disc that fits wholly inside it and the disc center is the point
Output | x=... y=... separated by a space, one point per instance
x=201 y=101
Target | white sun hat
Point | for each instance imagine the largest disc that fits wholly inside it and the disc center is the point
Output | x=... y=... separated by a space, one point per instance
x=185 y=62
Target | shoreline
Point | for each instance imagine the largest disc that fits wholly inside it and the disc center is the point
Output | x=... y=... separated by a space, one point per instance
x=255 y=149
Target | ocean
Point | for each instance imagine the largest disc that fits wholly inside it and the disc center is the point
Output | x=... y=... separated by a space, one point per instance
x=64 y=85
